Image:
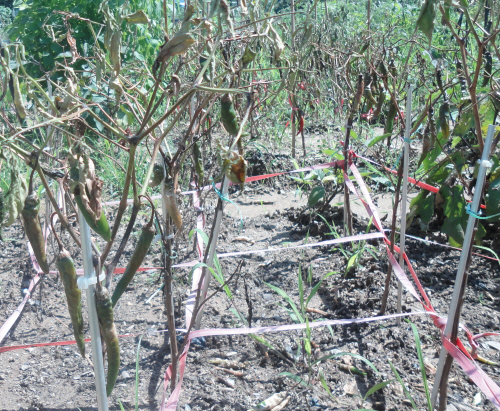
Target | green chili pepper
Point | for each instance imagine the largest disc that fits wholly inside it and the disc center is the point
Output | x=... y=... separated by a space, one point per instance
x=228 y=115
x=209 y=72
x=432 y=126
x=33 y=229
x=370 y=101
x=360 y=86
x=158 y=175
x=389 y=122
x=110 y=335
x=67 y=272
x=380 y=103
x=198 y=162
x=488 y=65
x=248 y=56
x=141 y=249
x=443 y=119
x=382 y=68
x=101 y=226
x=392 y=68
x=364 y=48
x=426 y=145
x=439 y=80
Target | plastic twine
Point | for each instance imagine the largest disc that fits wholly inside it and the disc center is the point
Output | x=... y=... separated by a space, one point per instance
x=478 y=215
x=225 y=198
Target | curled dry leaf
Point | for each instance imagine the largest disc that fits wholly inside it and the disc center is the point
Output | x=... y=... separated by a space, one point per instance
x=238 y=374
x=170 y=200
x=272 y=402
x=178 y=44
x=279 y=46
x=226 y=11
x=282 y=405
x=227 y=364
x=115 y=51
x=175 y=85
x=139 y=17
x=71 y=85
x=237 y=173
x=85 y=184
x=244 y=239
x=72 y=47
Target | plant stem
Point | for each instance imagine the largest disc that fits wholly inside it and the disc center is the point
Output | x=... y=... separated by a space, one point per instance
x=385 y=297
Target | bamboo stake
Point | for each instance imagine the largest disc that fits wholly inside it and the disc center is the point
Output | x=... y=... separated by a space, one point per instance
x=451 y=329
x=88 y=268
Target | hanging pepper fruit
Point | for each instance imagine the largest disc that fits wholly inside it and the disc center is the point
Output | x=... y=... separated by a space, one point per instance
x=367 y=93
x=170 y=200
x=443 y=119
x=108 y=329
x=158 y=175
x=389 y=122
x=380 y=103
x=198 y=162
x=426 y=144
x=439 y=80
x=100 y=226
x=87 y=189
x=141 y=249
x=432 y=127
x=488 y=65
x=67 y=271
x=32 y=226
x=392 y=68
x=228 y=115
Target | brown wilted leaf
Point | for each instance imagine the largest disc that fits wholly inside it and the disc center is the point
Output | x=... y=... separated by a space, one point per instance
x=178 y=44
x=72 y=47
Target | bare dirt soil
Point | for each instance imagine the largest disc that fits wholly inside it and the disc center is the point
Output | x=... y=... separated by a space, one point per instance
x=57 y=378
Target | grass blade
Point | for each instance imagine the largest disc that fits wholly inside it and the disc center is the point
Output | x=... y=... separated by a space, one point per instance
x=377 y=387
x=316 y=287
x=422 y=366
x=287 y=299
x=137 y=375
x=407 y=393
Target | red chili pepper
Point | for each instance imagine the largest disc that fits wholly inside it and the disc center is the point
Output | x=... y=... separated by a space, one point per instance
x=301 y=123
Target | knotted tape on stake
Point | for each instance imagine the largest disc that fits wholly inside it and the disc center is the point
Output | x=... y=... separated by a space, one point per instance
x=225 y=198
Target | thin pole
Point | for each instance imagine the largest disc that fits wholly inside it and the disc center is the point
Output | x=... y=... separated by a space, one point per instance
x=211 y=253
x=456 y=306
x=88 y=268
x=406 y=160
